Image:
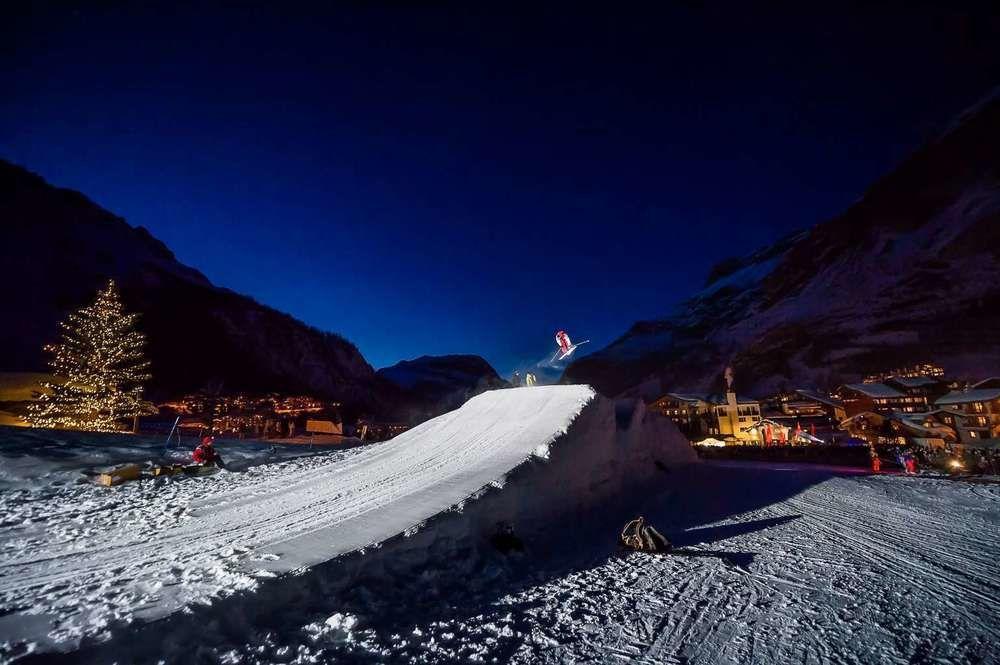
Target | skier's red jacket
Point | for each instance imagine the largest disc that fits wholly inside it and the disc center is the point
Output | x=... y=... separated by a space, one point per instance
x=205 y=454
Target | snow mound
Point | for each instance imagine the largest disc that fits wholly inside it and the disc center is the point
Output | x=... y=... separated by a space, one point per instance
x=82 y=561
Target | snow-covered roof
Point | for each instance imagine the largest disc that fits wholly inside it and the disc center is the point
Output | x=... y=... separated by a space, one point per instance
x=919 y=424
x=913 y=381
x=687 y=397
x=876 y=418
x=764 y=422
x=879 y=390
x=964 y=397
x=950 y=412
x=822 y=399
x=710 y=399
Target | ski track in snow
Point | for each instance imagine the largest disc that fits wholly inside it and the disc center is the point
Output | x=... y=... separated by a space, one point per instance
x=854 y=569
x=874 y=570
x=820 y=568
x=84 y=557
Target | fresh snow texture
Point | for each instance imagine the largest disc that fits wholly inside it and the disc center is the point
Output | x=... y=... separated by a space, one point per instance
x=775 y=563
x=77 y=560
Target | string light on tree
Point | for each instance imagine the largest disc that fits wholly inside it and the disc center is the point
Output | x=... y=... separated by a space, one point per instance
x=102 y=364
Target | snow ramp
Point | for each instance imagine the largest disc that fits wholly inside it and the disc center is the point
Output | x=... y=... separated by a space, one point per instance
x=523 y=457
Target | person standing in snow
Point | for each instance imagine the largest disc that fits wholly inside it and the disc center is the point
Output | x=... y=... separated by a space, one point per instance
x=515 y=380
x=205 y=454
x=876 y=462
x=529 y=379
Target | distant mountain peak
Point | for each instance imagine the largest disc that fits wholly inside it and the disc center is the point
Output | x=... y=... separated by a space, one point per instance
x=911 y=270
x=436 y=384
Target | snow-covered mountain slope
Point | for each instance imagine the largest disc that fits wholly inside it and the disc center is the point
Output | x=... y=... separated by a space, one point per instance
x=909 y=273
x=77 y=560
x=432 y=385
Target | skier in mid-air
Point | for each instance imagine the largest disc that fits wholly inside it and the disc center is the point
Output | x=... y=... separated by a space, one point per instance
x=566 y=346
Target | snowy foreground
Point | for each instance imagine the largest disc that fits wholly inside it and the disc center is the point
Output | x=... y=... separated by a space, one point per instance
x=78 y=562
x=776 y=563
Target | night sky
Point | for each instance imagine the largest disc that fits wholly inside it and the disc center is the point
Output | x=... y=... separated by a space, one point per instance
x=450 y=180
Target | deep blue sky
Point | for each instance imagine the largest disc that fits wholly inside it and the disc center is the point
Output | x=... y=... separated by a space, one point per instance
x=455 y=180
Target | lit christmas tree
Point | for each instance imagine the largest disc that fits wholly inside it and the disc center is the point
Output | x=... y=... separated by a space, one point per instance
x=101 y=362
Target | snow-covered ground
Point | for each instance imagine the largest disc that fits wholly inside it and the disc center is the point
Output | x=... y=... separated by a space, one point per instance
x=78 y=562
x=779 y=564
x=776 y=563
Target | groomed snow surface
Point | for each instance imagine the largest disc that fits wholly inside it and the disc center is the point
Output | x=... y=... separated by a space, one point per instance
x=776 y=563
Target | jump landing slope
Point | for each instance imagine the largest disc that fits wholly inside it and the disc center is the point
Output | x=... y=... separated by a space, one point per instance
x=76 y=561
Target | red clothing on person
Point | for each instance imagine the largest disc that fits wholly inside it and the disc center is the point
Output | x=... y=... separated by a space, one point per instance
x=205 y=454
x=876 y=464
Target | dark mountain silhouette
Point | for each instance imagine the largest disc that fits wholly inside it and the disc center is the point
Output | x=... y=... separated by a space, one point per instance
x=57 y=247
x=433 y=385
x=909 y=273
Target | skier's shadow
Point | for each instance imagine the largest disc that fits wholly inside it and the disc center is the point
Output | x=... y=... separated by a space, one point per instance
x=683 y=541
x=712 y=534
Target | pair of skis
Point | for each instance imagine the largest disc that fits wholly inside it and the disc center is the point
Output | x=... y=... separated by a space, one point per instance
x=563 y=354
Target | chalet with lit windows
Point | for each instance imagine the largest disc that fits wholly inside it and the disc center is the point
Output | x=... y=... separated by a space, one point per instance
x=976 y=411
x=918 y=370
x=810 y=403
x=880 y=398
x=691 y=413
x=927 y=387
x=722 y=416
x=930 y=430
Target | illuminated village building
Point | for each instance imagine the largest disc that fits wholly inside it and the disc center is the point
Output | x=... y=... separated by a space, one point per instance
x=725 y=417
x=919 y=370
x=241 y=415
x=735 y=418
x=902 y=408
x=369 y=430
x=880 y=398
x=691 y=413
x=975 y=412
x=807 y=404
x=932 y=429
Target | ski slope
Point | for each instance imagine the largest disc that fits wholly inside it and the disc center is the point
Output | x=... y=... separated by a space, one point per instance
x=776 y=563
x=79 y=560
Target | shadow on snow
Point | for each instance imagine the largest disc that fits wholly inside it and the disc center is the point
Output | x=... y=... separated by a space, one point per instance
x=694 y=499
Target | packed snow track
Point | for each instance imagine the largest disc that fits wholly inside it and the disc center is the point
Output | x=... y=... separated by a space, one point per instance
x=78 y=561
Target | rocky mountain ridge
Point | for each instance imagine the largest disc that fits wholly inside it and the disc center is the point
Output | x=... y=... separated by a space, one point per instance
x=910 y=272
x=57 y=247
x=433 y=385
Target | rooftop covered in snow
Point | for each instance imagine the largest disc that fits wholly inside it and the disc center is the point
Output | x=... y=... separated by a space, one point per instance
x=873 y=390
x=967 y=396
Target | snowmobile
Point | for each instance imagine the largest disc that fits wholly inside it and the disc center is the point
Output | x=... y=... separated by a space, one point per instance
x=123 y=473
x=566 y=346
